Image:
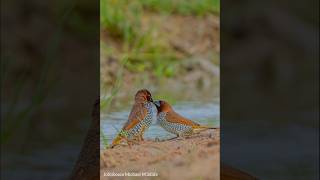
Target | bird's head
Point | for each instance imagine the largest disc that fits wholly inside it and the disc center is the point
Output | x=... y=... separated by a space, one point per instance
x=143 y=95
x=162 y=106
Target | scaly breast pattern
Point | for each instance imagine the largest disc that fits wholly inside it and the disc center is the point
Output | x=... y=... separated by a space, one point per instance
x=145 y=123
x=175 y=128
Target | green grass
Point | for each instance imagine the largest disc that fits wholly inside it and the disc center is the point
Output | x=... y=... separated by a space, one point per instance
x=105 y=101
x=121 y=20
x=183 y=7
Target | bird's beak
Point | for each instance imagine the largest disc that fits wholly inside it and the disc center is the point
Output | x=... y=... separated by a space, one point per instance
x=157 y=103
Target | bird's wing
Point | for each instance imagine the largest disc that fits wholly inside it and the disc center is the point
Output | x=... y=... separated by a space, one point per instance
x=137 y=114
x=177 y=118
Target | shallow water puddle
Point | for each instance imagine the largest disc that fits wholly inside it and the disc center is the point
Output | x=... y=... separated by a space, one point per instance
x=205 y=114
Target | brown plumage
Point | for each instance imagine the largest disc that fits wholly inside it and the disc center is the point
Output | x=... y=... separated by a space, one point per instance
x=139 y=119
x=172 y=116
x=174 y=122
x=138 y=112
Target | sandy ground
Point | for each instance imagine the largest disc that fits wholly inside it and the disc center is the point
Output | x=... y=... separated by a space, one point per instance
x=196 y=157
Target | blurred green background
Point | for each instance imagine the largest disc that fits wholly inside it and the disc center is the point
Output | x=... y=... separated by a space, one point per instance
x=166 y=46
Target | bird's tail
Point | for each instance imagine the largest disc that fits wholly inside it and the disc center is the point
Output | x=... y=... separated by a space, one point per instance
x=197 y=129
x=116 y=141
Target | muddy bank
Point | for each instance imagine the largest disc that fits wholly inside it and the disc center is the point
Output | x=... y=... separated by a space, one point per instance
x=196 y=157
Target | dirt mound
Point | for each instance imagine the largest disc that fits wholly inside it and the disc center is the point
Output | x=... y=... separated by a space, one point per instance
x=197 y=157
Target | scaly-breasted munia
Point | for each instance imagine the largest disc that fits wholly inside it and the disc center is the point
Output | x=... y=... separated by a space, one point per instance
x=142 y=114
x=174 y=122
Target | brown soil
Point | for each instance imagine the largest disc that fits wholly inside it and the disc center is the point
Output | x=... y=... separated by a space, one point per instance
x=196 y=157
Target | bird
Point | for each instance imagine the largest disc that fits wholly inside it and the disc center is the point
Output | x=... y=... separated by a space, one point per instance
x=175 y=123
x=88 y=164
x=142 y=114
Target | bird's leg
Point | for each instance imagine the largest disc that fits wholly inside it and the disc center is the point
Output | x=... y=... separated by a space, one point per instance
x=135 y=140
x=128 y=141
x=181 y=136
x=140 y=138
x=129 y=144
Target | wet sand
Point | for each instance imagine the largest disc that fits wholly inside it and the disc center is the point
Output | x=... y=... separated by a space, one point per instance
x=195 y=157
